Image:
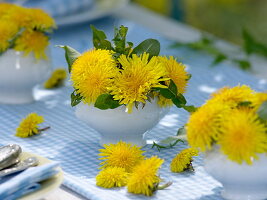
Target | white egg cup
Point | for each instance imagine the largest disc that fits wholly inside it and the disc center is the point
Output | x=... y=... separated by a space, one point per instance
x=240 y=181
x=19 y=74
x=116 y=125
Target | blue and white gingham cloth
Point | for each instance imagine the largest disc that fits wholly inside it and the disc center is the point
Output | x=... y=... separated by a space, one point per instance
x=75 y=145
x=15 y=186
x=59 y=8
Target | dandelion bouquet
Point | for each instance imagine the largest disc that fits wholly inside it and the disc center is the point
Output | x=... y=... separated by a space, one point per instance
x=234 y=119
x=115 y=74
x=24 y=29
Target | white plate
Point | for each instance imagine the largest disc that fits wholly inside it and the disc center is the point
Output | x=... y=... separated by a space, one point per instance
x=48 y=185
x=101 y=9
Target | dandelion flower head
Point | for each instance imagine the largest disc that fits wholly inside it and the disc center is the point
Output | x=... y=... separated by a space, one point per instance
x=92 y=73
x=203 y=126
x=32 y=41
x=244 y=136
x=183 y=160
x=29 y=126
x=122 y=155
x=145 y=177
x=112 y=177
x=138 y=77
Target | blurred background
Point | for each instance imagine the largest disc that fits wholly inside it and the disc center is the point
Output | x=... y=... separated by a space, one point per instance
x=223 y=18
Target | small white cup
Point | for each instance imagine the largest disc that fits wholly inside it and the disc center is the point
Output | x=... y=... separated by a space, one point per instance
x=19 y=74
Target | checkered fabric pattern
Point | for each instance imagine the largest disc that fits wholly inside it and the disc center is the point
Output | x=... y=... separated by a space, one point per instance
x=75 y=145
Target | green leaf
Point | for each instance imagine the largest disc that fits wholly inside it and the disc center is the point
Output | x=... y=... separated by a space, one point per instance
x=190 y=108
x=243 y=64
x=181 y=131
x=244 y=104
x=179 y=100
x=75 y=98
x=70 y=55
x=150 y=46
x=172 y=87
x=189 y=77
x=262 y=111
x=253 y=46
x=218 y=59
x=120 y=39
x=99 y=39
x=106 y=101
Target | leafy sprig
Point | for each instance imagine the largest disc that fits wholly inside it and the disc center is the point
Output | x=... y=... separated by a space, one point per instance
x=171 y=141
x=177 y=98
x=207 y=44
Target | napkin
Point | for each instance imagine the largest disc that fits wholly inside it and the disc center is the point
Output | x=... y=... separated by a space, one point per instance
x=13 y=187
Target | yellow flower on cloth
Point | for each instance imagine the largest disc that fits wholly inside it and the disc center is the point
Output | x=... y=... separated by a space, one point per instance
x=122 y=155
x=40 y=20
x=204 y=125
x=29 y=126
x=32 y=41
x=183 y=160
x=138 y=77
x=7 y=33
x=92 y=73
x=144 y=179
x=244 y=136
x=56 y=79
x=112 y=177
x=232 y=96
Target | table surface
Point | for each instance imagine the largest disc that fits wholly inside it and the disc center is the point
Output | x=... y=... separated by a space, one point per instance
x=66 y=36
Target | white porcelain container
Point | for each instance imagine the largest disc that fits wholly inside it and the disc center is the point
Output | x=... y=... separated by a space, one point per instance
x=116 y=124
x=19 y=74
x=240 y=181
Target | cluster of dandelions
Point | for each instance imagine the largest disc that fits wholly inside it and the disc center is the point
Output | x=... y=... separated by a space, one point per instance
x=109 y=75
x=125 y=165
x=24 y=29
x=29 y=126
x=234 y=120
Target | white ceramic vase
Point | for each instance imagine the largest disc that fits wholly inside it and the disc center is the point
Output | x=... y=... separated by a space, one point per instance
x=116 y=124
x=240 y=181
x=19 y=74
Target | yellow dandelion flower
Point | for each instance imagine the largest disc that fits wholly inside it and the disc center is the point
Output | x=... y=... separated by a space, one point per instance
x=233 y=96
x=29 y=126
x=176 y=72
x=144 y=178
x=7 y=33
x=122 y=155
x=204 y=125
x=32 y=41
x=112 y=177
x=5 y=8
x=258 y=100
x=18 y=15
x=92 y=73
x=183 y=160
x=56 y=79
x=40 y=20
x=244 y=136
x=136 y=79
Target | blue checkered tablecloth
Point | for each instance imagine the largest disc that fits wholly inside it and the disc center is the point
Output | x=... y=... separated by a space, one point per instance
x=75 y=145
